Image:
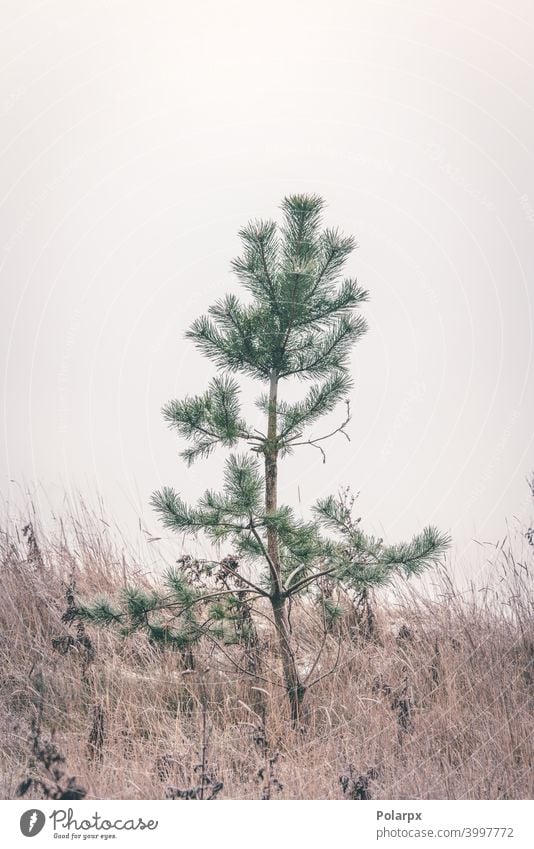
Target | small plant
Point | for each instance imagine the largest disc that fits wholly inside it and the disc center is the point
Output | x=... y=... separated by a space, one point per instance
x=80 y=643
x=34 y=552
x=208 y=786
x=267 y=773
x=402 y=703
x=356 y=786
x=208 y=789
x=95 y=743
x=47 y=777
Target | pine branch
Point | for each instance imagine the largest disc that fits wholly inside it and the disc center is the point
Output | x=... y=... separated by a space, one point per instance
x=330 y=349
x=363 y=561
x=302 y=218
x=178 y=516
x=325 y=310
x=210 y=419
x=334 y=250
x=257 y=269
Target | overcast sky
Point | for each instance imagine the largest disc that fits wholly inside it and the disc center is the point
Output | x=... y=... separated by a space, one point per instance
x=138 y=137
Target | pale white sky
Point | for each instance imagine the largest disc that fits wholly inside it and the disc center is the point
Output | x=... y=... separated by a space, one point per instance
x=138 y=137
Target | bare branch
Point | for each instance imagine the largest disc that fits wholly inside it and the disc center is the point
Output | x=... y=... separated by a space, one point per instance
x=239 y=668
x=308 y=580
x=272 y=568
x=317 y=659
x=252 y=586
x=166 y=605
x=330 y=671
x=314 y=442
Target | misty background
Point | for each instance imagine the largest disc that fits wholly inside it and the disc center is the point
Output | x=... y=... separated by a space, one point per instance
x=137 y=138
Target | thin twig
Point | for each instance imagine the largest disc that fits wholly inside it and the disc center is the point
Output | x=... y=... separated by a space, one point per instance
x=313 y=442
x=252 y=586
x=272 y=568
x=308 y=580
x=330 y=671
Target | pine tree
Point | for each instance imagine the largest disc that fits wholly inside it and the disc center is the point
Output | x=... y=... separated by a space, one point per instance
x=299 y=322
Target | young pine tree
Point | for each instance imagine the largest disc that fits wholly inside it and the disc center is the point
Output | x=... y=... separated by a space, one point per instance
x=299 y=322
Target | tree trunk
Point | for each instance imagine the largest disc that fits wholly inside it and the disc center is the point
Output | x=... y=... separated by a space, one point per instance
x=294 y=687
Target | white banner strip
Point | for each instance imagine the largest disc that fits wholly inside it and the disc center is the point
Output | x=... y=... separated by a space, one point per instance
x=279 y=824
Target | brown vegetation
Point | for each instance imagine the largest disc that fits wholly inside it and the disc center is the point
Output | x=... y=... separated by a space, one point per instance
x=436 y=700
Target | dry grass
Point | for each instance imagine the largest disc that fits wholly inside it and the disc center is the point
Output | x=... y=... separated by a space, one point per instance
x=438 y=705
